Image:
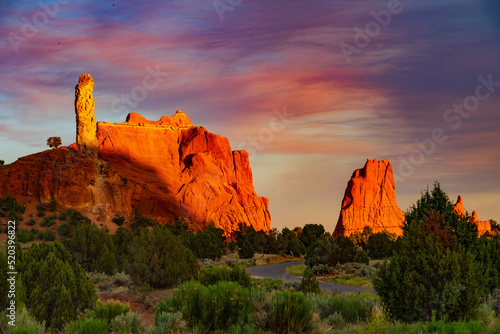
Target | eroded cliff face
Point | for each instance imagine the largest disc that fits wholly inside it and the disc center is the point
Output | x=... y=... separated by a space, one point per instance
x=178 y=170
x=370 y=200
x=483 y=226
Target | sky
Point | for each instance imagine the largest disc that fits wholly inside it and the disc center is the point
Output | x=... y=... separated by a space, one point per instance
x=310 y=88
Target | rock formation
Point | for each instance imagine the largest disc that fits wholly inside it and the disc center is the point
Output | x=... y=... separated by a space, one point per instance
x=370 y=200
x=167 y=169
x=178 y=170
x=483 y=226
x=85 y=119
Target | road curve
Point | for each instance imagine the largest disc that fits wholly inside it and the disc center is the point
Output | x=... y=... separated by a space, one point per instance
x=276 y=271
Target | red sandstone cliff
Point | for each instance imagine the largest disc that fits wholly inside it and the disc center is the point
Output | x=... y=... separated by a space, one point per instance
x=483 y=226
x=177 y=170
x=370 y=200
x=168 y=169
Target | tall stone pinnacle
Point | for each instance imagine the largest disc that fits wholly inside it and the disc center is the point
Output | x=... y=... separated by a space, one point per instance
x=85 y=120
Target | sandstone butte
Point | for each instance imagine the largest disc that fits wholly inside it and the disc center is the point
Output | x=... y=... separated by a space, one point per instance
x=168 y=169
x=370 y=200
x=483 y=226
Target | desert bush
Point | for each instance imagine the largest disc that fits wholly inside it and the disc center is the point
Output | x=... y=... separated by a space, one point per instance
x=268 y=284
x=292 y=286
x=25 y=324
x=212 y=307
x=323 y=269
x=335 y=321
x=353 y=308
x=238 y=274
x=351 y=267
x=309 y=283
x=122 y=279
x=129 y=323
x=40 y=214
x=108 y=311
x=365 y=271
x=168 y=322
x=289 y=312
x=87 y=326
x=31 y=222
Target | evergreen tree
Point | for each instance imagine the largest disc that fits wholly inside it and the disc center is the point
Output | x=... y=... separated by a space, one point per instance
x=57 y=288
x=311 y=233
x=158 y=258
x=425 y=278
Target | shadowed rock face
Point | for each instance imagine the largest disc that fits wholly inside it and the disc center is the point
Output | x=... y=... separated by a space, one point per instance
x=370 y=200
x=85 y=120
x=483 y=226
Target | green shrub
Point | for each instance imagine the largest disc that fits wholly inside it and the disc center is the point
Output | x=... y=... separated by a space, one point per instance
x=361 y=257
x=168 y=322
x=212 y=307
x=22 y=235
x=158 y=258
x=63 y=230
x=52 y=205
x=309 y=283
x=127 y=323
x=40 y=214
x=247 y=251
x=118 y=220
x=88 y=326
x=108 y=311
x=323 y=269
x=63 y=215
x=31 y=222
x=210 y=276
x=49 y=236
x=57 y=288
x=139 y=220
x=268 y=284
x=25 y=324
x=324 y=251
x=92 y=247
x=289 y=312
x=41 y=207
x=365 y=271
x=353 y=308
x=335 y=321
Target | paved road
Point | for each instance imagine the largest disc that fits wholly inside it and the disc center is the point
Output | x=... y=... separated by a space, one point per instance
x=277 y=271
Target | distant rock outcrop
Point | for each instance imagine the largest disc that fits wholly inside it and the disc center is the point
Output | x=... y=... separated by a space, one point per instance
x=85 y=120
x=370 y=200
x=483 y=226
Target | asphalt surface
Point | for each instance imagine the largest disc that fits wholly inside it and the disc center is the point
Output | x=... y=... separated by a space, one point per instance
x=276 y=271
